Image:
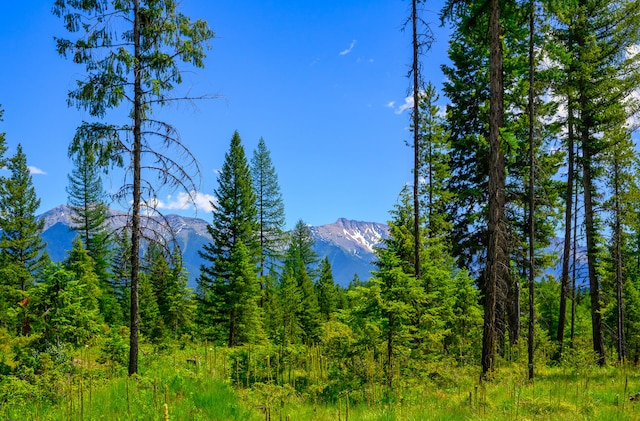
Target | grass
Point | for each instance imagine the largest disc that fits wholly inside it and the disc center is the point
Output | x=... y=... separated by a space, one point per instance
x=170 y=387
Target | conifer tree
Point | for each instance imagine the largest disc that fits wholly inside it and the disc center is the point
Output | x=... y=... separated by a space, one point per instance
x=434 y=165
x=67 y=311
x=82 y=265
x=21 y=246
x=86 y=199
x=326 y=290
x=245 y=315
x=132 y=51
x=270 y=207
x=301 y=240
x=179 y=316
x=234 y=222
x=601 y=72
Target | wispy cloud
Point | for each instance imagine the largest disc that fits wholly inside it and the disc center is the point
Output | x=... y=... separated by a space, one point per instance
x=184 y=201
x=407 y=105
x=348 y=50
x=36 y=170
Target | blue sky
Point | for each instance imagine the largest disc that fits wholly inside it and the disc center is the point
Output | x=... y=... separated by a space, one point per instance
x=324 y=83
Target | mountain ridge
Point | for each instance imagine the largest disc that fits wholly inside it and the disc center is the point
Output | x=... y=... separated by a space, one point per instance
x=349 y=244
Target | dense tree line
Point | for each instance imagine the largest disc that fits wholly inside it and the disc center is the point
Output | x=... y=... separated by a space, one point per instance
x=532 y=168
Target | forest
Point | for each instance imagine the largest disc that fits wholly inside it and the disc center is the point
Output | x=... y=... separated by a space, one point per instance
x=509 y=286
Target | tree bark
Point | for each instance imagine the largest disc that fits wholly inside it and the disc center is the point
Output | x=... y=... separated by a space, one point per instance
x=532 y=196
x=497 y=257
x=416 y=138
x=590 y=231
x=135 y=217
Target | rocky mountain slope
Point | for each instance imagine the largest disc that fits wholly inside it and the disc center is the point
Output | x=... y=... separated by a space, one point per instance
x=348 y=244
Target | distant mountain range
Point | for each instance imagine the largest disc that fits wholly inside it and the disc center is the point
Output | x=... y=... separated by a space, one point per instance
x=348 y=244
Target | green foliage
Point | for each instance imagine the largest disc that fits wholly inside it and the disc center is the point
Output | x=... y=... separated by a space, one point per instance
x=233 y=251
x=326 y=290
x=21 y=247
x=68 y=312
x=270 y=207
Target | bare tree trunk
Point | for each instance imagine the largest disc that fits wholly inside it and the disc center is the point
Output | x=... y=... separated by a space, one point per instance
x=497 y=258
x=416 y=138
x=135 y=228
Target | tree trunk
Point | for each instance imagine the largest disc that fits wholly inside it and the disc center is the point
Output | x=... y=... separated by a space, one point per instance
x=416 y=138
x=566 y=250
x=497 y=261
x=135 y=223
x=618 y=262
x=590 y=231
x=532 y=196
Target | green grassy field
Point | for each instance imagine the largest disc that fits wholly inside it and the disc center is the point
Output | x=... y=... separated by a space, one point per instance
x=198 y=384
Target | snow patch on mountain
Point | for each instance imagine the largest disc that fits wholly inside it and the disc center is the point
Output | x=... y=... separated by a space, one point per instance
x=356 y=237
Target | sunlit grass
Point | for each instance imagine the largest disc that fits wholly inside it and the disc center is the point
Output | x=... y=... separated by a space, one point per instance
x=435 y=391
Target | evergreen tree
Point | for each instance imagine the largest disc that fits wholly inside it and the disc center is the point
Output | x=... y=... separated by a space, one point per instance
x=132 y=51
x=309 y=315
x=326 y=290
x=89 y=219
x=388 y=303
x=290 y=302
x=67 y=312
x=234 y=222
x=595 y=37
x=270 y=207
x=434 y=166
x=179 y=316
x=151 y=323
x=82 y=265
x=245 y=316
x=301 y=240
x=86 y=199
x=21 y=246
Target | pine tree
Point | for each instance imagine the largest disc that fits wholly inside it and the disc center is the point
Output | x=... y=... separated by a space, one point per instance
x=21 y=246
x=270 y=206
x=89 y=219
x=132 y=51
x=234 y=222
x=86 y=199
x=326 y=290
x=62 y=300
x=434 y=165
x=301 y=239
x=246 y=318
x=600 y=74
x=82 y=265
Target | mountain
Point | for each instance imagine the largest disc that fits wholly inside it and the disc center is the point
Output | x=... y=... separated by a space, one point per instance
x=348 y=244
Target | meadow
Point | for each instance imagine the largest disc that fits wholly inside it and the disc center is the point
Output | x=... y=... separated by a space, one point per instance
x=204 y=382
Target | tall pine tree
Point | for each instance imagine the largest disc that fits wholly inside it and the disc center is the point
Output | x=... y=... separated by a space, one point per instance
x=234 y=223
x=270 y=207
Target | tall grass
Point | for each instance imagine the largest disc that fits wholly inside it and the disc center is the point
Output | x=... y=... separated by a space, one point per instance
x=263 y=383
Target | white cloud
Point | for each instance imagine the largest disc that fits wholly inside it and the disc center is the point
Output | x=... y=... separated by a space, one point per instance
x=391 y=104
x=184 y=201
x=36 y=170
x=348 y=50
x=408 y=105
